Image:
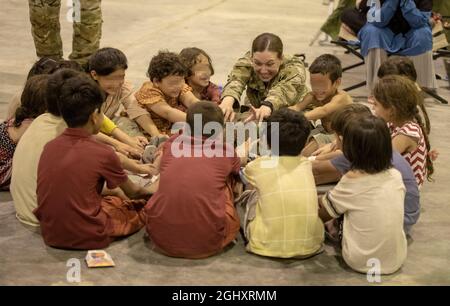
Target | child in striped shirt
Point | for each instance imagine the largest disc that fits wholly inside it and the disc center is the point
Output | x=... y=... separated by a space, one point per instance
x=396 y=100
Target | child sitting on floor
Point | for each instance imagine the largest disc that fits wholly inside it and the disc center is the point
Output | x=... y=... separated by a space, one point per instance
x=402 y=65
x=110 y=134
x=166 y=96
x=325 y=99
x=331 y=170
x=200 y=70
x=192 y=215
x=32 y=105
x=107 y=66
x=44 y=128
x=280 y=215
x=394 y=65
x=72 y=171
x=396 y=100
x=370 y=197
x=44 y=65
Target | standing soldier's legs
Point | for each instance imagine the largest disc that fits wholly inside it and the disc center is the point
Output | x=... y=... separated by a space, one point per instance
x=87 y=31
x=45 y=27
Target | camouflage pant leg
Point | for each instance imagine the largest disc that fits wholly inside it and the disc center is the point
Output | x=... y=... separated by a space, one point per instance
x=87 y=31
x=45 y=27
x=443 y=7
x=333 y=23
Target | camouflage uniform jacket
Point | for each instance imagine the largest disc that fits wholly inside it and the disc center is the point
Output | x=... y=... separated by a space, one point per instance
x=285 y=89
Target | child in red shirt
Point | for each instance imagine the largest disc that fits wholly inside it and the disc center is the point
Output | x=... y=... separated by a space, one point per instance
x=192 y=214
x=72 y=172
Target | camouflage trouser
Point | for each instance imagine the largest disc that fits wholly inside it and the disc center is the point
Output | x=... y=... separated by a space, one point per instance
x=45 y=28
x=443 y=7
x=333 y=23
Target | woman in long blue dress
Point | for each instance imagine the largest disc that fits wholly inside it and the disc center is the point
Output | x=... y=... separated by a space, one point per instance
x=399 y=27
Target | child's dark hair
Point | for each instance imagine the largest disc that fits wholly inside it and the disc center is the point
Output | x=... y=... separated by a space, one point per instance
x=367 y=144
x=33 y=100
x=327 y=64
x=402 y=95
x=292 y=129
x=47 y=65
x=80 y=96
x=55 y=82
x=69 y=64
x=165 y=64
x=341 y=117
x=268 y=42
x=107 y=60
x=210 y=112
x=188 y=57
x=398 y=65
x=401 y=65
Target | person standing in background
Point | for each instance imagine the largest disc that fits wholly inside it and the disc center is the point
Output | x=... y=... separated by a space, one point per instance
x=45 y=28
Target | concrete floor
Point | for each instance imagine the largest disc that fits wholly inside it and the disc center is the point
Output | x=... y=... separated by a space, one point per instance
x=225 y=30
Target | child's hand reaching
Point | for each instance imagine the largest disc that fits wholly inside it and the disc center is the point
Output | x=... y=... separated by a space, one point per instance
x=161 y=135
x=227 y=108
x=258 y=114
x=148 y=169
x=328 y=148
x=128 y=151
x=139 y=142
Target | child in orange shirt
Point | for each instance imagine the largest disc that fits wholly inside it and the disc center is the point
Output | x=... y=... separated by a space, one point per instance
x=166 y=96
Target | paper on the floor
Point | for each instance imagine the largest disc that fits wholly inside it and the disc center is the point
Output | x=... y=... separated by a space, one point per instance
x=99 y=258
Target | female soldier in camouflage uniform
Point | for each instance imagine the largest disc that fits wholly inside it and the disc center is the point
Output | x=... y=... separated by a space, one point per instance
x=272 y=80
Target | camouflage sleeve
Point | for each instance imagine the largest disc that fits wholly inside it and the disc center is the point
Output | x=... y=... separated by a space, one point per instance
x=291 y=87
x=238 y=78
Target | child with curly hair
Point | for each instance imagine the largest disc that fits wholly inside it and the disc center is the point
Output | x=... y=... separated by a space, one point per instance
x=200 y=70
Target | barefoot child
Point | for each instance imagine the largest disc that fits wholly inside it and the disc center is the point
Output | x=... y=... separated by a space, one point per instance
x=325 y=99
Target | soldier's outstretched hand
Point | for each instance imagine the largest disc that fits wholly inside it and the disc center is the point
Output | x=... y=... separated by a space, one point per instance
x=227 y=108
